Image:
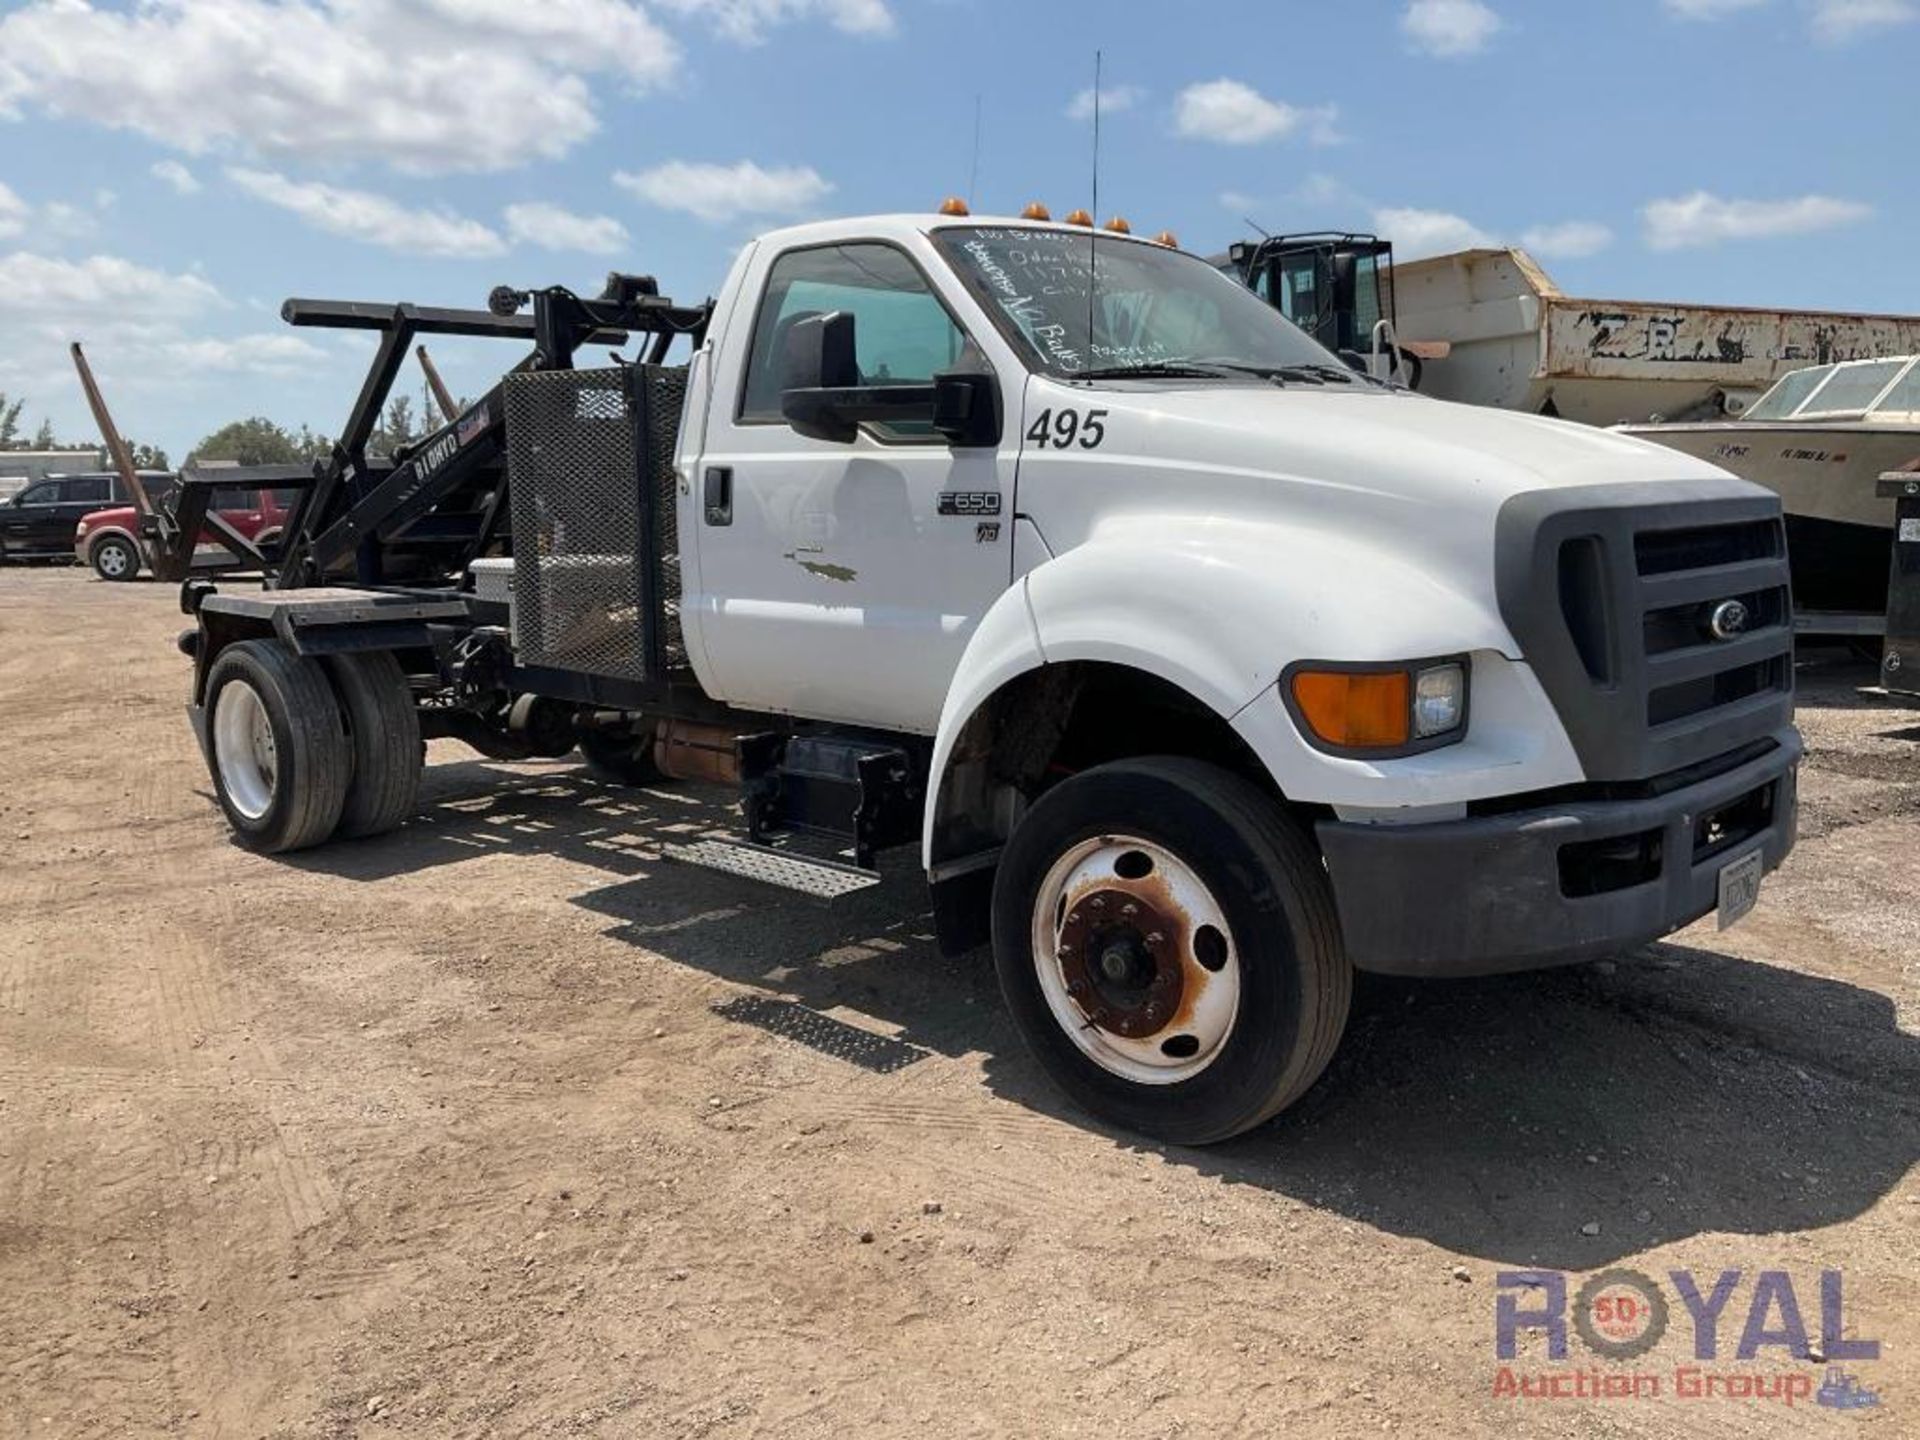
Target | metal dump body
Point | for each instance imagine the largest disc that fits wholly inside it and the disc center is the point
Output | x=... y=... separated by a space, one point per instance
x=1518 y=343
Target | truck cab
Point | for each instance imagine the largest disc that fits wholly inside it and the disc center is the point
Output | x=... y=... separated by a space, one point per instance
x=1201 y=668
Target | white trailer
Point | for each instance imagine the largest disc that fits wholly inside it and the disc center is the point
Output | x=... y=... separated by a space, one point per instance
x=1517 y=343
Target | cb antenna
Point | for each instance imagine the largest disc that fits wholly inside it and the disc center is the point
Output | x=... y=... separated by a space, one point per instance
x=1093 y=220
x=973 y=170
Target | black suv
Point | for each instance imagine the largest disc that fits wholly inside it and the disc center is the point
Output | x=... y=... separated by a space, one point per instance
x=41 y=519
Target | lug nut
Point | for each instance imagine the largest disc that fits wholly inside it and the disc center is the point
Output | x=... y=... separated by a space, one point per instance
x=1156 y=938
x=1129 y=910
x=1099 y=902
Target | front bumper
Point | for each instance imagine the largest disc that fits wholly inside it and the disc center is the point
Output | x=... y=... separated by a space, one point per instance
x=1559 y=883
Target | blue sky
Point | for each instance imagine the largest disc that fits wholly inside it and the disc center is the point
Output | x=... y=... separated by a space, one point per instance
x=169 y=171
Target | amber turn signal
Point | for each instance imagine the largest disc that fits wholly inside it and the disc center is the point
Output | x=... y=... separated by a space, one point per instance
x=1356 y=709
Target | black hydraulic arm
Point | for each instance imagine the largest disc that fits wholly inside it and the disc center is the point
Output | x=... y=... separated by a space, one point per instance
x=354 y=507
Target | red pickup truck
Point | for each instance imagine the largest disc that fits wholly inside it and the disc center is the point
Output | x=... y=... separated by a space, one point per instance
x=109 y=540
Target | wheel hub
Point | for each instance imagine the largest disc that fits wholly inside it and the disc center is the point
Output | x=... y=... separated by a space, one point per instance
x=1135 y=959
x=1118 y=962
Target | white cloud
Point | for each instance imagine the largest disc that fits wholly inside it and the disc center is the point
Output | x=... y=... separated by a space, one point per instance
x=1449 y=28
x=1571 y=240
x=426 y=85
x=55 y=220
x=371 y=219
x=172 y=172
x=1837 y=21
x=1416 y=233
x=1707 y=9
x=719 y=193
x=13 y=212
x=747 y=21
x=58 y=220
x=1231 y=113
x=1705 y=219
x=552 y=228
x=1113 y=99
x=269 y=353
x=98 y=287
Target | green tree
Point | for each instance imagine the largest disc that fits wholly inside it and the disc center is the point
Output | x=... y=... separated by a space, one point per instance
x=253 y=441
x=396 y=428
x=43 y=437
x=9 y=422
x=147 y=457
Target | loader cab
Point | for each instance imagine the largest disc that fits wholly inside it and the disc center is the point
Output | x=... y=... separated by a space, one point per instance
x=1335 y=287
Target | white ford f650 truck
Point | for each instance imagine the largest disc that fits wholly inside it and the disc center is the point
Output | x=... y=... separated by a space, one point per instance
x=1201 y=668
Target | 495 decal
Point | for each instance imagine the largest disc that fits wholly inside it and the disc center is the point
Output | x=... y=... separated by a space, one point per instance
x=1062 y=429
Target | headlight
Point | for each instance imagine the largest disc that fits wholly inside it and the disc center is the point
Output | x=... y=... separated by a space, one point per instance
x=1439 y=699
x=1378 y=710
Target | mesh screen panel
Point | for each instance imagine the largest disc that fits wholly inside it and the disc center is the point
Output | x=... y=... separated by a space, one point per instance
x=578 y=486
x=664 y=391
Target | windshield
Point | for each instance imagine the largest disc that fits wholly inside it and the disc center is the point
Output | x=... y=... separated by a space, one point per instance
x=1787 y=393
x=1150 y=306
x=1845 y=389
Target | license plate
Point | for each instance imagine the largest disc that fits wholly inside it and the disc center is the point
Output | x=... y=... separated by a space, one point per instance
x=1739 y=887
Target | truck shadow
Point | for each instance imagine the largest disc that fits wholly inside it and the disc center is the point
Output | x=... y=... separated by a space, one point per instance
x=1680 y=1091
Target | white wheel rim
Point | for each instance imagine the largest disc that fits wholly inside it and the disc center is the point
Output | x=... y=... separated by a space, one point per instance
x=1094 y=963
x=244 y=750
x=113 y=560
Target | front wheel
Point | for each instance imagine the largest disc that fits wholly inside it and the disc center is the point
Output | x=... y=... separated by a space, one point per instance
x=115 y=559
x=1166 y=940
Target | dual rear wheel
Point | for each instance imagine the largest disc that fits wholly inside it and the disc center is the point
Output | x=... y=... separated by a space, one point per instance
x=303 y=749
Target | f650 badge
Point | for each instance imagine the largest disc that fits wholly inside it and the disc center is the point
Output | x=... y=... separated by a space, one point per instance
x=969 y=502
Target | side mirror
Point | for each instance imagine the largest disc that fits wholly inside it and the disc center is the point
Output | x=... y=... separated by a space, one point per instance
x=816 y=365
x=966 y=407
x=823 y=398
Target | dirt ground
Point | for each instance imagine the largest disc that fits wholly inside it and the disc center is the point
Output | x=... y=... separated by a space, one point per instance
x=503 y=1126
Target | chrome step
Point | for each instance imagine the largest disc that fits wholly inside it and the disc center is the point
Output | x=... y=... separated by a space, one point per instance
x=803 y=874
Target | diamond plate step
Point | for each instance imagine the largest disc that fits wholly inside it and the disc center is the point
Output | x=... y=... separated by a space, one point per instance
x=822 y=879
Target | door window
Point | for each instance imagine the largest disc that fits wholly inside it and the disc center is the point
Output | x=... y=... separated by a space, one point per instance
x=44 y=494
x=86 y=490
x=903 y=335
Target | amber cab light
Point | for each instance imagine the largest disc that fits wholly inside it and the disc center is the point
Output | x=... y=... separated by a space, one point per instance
x=1356 y=709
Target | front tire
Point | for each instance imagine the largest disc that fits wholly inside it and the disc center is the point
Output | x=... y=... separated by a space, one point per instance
x=115 y=559
x=276 y=745
x=1166 y=940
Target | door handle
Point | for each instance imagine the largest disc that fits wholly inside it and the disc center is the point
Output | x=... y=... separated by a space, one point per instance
x=717 y=494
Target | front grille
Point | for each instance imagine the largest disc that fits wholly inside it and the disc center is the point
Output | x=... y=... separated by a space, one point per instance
x=1612 y=593
x=1686 y=573
x=1694 y=547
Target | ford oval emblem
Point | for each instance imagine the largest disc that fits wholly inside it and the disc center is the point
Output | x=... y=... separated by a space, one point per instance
x=1729 y=620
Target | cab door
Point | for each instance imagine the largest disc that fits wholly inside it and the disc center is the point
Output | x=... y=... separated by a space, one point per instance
x=842 y=581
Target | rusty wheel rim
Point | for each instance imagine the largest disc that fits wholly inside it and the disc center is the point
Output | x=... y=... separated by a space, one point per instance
x=1135 y=959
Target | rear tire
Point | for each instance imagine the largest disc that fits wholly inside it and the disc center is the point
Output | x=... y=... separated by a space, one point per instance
x=620 y=759
x=384 y=730
x=1223 y=996
x=276 y=746
x=114 y=559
